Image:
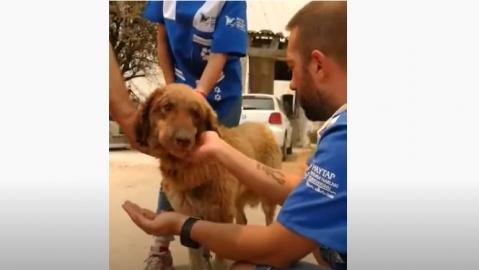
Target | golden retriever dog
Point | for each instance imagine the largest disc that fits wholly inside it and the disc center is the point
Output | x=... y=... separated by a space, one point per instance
x=169 y=125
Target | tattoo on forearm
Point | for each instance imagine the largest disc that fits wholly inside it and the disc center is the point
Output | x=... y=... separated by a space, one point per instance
x=277 y=175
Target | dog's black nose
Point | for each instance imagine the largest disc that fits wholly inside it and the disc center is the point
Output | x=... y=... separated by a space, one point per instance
x=184 y=138
x=183 y=142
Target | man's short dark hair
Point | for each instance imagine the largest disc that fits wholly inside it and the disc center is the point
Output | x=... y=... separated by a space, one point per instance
x=322 y=26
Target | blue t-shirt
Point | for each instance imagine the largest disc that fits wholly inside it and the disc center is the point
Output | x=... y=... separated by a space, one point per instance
x=316 y=208
x=196 y=28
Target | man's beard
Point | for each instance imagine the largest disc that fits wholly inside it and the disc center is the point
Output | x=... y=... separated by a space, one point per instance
x=315 y=106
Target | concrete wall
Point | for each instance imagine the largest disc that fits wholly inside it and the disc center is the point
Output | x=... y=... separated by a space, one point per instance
x=261 y=75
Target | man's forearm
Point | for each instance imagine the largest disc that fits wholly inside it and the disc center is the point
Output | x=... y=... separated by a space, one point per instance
x=273 y=184
x=252 y=243
x=122 y=108
x=212 y=72
x=164 y=59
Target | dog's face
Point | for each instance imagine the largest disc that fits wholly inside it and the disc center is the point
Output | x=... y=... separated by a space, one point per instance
x=172 y=119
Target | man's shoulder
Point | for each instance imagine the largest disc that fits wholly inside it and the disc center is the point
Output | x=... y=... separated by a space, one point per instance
x=340 y=120
x=335 y=130
x=332 y=142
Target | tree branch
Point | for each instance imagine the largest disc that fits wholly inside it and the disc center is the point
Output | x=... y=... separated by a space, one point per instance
x=134 y=76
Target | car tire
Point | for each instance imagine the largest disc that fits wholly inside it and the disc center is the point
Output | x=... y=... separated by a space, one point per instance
x=284 y=150
x=289 y=150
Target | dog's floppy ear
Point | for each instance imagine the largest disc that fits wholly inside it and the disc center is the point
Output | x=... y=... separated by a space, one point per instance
x=211 y=120
x=142 y=127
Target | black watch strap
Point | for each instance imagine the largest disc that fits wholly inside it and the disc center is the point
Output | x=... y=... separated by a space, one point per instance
x=185 y=235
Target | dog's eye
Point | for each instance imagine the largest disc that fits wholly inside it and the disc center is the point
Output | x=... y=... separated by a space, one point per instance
x=195 y=113
x=167 y=107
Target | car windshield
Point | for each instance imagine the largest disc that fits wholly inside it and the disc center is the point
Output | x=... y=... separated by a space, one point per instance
x=257 y=103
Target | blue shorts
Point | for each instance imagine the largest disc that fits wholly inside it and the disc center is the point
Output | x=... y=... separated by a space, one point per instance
x=163 y=203
x=232 y=117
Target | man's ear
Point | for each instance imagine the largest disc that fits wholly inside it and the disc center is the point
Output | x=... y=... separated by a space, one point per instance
x=318 y=62
x=142 y=127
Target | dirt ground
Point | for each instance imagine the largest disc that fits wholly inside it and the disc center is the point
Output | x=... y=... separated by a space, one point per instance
x=136 y=177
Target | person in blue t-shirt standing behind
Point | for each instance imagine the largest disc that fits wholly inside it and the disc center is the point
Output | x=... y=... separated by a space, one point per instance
x=313 y=217
x=199 y=44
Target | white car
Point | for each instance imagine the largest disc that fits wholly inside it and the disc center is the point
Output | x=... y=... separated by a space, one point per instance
x=268 y=109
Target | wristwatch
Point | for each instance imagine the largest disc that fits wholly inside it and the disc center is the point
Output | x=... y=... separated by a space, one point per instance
x=185 y=235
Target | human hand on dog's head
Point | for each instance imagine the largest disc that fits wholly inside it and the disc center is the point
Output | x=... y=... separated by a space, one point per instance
x=166 y=223
x=128 y=126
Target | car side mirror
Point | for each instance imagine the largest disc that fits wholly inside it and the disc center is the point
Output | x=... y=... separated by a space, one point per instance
x=288 y=104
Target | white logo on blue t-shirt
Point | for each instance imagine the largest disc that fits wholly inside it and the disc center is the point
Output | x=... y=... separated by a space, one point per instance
x=237 y=22
x=321 y=180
